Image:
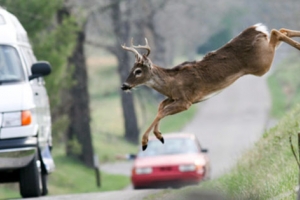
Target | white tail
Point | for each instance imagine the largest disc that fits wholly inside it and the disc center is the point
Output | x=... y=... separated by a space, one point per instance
x=251 y=52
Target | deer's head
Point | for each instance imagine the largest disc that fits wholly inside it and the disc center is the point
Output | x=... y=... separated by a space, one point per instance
x=141 y=71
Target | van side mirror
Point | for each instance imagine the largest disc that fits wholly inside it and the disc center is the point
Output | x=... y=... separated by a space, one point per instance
x=40 y=68
x=204 y=150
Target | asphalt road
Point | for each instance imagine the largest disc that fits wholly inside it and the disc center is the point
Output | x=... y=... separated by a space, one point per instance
x=231 y=122
x=226 y=124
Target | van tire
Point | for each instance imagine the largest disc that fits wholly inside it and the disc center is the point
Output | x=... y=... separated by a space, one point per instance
x=30 y=180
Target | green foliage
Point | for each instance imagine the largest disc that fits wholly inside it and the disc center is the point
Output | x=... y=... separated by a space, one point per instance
x=215 y=41
x=34 y=15
x=220 y=38
x=55 y=47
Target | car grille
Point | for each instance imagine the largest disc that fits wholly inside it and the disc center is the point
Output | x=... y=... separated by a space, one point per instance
x=166 y=169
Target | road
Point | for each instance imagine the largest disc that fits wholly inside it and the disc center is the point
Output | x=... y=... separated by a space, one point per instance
x=226 y=124
x=231 y=122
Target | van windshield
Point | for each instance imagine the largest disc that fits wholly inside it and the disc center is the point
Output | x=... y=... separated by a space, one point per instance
x=10 y=65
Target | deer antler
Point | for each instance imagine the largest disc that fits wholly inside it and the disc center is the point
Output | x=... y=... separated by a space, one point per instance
x=146 y=47
x=132 y=49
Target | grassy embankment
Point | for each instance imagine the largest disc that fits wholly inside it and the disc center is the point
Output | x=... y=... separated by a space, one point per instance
x=107 y=128
x=269 y=169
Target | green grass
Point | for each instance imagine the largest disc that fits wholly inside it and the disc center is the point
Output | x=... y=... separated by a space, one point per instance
x=71 y=176
x=266 y=171
x=8 y=191
x=269 y=169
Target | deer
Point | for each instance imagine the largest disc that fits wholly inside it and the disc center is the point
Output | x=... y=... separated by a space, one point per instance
x=191 y=82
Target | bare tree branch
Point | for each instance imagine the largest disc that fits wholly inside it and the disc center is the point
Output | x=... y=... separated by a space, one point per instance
x=109 y=48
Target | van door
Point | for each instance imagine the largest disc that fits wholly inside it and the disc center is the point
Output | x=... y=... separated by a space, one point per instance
x=41 y=101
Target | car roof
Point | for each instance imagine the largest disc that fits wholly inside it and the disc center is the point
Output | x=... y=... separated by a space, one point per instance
x=176 y=135
x=11 y=30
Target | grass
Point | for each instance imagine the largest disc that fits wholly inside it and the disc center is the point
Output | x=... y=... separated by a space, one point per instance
x=107 y=128
x=269 y=169
x=71 y=177
x=266 y=171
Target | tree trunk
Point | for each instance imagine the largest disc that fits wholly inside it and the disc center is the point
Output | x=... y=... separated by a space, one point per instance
x=122 y=31
x=79 y=113
x=129 y=115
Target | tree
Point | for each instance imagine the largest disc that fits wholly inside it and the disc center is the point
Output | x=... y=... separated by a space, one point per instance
x=119 y=28
x=121 y=20
x=78 y=136
x=122 y=30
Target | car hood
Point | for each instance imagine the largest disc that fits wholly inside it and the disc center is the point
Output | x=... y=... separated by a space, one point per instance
x=178 y=159
x=15 y=97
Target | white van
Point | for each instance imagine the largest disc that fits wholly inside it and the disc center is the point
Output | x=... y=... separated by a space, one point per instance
x=25 y=122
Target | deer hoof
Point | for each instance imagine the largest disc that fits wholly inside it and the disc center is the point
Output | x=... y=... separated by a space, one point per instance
x=144 y=147
x=162 y=140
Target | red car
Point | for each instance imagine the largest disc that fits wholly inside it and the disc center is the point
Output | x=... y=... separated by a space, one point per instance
x=179 y=161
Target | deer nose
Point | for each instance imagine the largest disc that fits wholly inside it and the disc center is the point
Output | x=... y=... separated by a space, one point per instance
x=125 y=86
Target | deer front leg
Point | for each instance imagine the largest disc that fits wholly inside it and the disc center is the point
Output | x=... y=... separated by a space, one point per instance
x=175 y=106
x=162 y=105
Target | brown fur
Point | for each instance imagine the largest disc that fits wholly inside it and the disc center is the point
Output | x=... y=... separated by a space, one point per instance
x=251 y=52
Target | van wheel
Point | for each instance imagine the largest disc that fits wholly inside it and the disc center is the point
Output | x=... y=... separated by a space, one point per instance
x=30 y=180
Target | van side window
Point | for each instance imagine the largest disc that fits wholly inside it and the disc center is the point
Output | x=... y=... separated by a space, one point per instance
x=29 y=60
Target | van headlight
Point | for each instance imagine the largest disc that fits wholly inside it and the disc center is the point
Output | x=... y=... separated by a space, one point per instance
x=143 y=170
x=21 y=118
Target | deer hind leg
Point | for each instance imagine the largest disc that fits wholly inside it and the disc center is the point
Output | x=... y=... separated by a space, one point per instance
x=284 y=36
x=170 y=107
x=290 y=33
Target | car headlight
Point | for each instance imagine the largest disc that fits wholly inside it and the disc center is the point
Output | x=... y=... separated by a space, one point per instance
x=143 y=170
x=21 y=118
x=187 y=168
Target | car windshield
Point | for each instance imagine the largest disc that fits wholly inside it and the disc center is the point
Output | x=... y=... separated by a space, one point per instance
x=10 y=65
x=171 y=146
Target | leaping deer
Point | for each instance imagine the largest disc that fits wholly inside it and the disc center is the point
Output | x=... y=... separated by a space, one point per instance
x=251 y=52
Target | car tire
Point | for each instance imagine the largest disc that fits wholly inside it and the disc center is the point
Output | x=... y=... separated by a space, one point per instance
x=30 y=185
x=137 y=188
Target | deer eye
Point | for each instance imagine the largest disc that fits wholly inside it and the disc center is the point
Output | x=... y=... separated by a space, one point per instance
x=137 y=72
